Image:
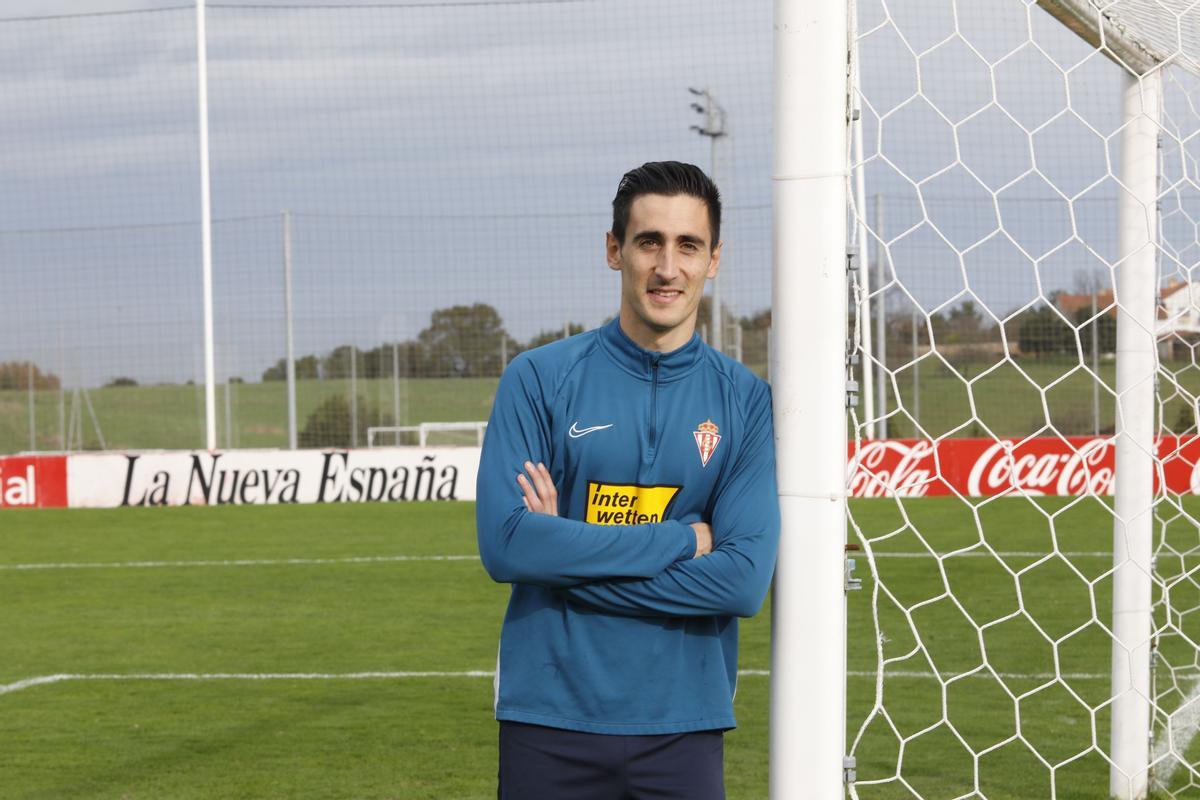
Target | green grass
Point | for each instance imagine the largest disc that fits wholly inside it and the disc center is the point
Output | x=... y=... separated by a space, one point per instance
x=434 y=737
x=171 y=417
x=1006 y=402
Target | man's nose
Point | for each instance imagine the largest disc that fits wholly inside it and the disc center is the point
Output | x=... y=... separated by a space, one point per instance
x=667 y=265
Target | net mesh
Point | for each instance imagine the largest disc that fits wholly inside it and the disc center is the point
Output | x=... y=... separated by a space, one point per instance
x=982 y=659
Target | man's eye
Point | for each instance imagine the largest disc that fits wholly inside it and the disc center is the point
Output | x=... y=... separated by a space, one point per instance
x=647 y=243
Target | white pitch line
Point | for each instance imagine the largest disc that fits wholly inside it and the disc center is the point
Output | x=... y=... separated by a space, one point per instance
x=1182 y=726
x=985 y=554
x=270 y=562
x=262 y=562
x=42 y=680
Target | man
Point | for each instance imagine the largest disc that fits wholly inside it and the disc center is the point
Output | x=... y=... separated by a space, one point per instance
x=627 y=492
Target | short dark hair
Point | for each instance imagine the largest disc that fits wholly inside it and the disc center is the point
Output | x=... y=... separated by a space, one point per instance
x=669 y=178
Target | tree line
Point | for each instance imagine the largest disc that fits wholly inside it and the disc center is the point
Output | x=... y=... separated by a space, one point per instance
x=466 y=342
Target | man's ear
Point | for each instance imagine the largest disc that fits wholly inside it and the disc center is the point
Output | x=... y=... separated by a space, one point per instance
x=714 y=265
x=612 y=249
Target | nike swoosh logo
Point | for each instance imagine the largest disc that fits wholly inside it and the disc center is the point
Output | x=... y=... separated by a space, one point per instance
x=577 y=432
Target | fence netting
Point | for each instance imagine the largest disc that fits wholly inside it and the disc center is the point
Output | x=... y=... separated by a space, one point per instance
x=446 y=168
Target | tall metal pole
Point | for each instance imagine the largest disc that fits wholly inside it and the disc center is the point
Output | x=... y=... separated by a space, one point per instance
x=210 y=397
x=867 y=365
x=808 y=372
x=228 y=402
x=1133 y=506
x=32 y=412
x=396 y=386
x=353 y=396
x=1095 y=363
x=714 y=128
x=287 y=313
x=916 y=373
x=880 y=322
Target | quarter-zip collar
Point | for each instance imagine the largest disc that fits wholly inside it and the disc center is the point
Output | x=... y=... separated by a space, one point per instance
x=639 y=362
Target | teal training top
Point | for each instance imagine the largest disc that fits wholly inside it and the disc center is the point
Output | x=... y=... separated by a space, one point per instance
x=612 y=626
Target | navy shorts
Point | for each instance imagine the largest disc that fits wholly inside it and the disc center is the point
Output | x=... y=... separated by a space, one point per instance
x=538 y=763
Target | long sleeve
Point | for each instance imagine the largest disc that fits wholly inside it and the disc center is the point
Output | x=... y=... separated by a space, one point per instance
x=731 y=580
x=517 y=546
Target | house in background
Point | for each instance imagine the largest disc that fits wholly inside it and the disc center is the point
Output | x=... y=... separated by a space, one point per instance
x=1178 y=318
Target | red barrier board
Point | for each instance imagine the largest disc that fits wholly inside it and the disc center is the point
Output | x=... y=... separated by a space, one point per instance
x=33 y=481
x=984 y=467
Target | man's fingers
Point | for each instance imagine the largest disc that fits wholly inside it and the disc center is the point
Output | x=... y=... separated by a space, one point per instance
x=551 y=495
x=530 y=496
x=540 y=495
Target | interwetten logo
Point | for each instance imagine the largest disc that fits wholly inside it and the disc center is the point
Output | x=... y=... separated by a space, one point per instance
x=628 y=503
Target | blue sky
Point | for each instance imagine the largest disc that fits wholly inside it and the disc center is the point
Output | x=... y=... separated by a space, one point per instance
x=464 y=153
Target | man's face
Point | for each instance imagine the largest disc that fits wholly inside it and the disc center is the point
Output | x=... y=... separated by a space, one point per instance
x=667 y=255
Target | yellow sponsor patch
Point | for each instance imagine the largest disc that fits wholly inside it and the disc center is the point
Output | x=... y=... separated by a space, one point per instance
x=627 y=503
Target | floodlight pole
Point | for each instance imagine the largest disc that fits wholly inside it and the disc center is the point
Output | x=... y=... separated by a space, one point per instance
x=881 y=431
x=714 y=128
x=210 y=395
x=808 y=373
x=290 y=355
x=1136 y=283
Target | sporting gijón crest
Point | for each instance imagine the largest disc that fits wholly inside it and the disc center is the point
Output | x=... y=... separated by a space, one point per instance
x=707 y=438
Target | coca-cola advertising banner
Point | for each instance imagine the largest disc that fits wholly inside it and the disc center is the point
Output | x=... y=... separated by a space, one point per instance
x=985 y=467
x=883 y=468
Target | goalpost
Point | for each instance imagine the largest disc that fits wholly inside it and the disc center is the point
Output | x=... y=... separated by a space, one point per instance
x=1034 y=142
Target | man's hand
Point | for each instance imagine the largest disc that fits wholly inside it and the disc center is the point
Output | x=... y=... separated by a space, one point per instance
x=703 y=538
x=540 y=497
x=538 y=490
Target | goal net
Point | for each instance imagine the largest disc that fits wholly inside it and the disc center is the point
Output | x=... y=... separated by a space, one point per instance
x=1025 y=204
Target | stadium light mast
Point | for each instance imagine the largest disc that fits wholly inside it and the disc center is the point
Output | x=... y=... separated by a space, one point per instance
x=210 y=394
x=714 y=128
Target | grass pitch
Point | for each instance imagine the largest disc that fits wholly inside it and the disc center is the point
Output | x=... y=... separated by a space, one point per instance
x=1006 y=401
x=290 y=652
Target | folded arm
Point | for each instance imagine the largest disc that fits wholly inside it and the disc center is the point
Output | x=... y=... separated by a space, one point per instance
x=520 y=545
x=731 y=580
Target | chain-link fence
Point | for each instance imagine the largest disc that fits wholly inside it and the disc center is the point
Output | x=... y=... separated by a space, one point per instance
x=437 y=174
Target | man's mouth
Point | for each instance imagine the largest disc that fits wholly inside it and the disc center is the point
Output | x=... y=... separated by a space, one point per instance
x=663 y=295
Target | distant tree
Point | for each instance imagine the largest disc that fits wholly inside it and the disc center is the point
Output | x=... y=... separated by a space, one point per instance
x=1043 y=332
x=403 y=359
x=307 y=368
x=553 y=335
x=329 y=424
x=964 y=324
x=704 y=318
x=337 y=363
x=122 y=381
x=1104 y=327
x=756 y=328
x=463 y=341
x=16 y=374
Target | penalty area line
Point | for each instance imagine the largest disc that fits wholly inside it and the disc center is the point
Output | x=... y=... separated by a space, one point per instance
x=273 y=562
x=42 y=680
x=245 y=562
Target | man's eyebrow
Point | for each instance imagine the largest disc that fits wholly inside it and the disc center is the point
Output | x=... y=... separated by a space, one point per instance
x=658 y=236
